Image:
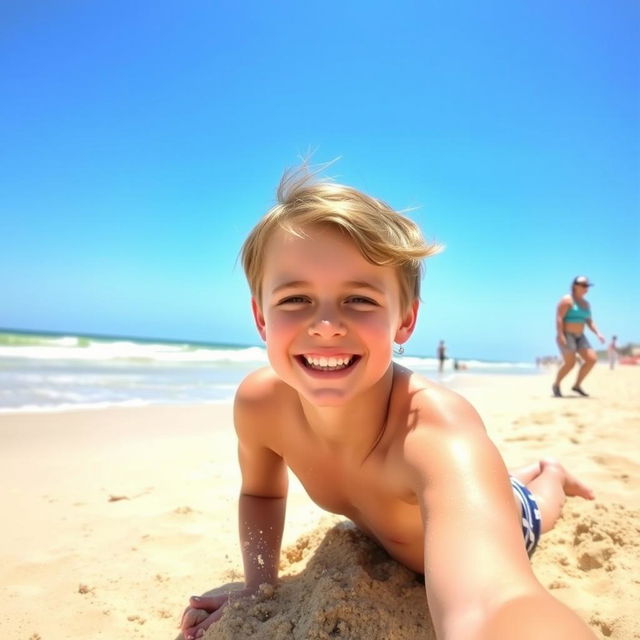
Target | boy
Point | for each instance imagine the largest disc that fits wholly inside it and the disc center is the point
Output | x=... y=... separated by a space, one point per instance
x=335 y=277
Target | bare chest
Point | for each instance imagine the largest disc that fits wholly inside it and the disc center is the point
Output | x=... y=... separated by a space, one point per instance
x=337 y=487
x=373 y=495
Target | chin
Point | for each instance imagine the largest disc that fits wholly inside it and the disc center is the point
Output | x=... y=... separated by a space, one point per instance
x=326 y=397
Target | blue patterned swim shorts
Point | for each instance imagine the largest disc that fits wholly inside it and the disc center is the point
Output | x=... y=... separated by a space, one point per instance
x=531 y=522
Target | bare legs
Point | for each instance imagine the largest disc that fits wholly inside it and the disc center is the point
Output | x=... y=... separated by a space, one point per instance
x=588 y=357
x=569 y=360
x=550 y=483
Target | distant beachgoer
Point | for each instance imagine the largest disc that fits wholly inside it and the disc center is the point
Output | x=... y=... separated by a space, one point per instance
x=572 y=314
x=612 y=351
x=442 y=355
x=335 y=281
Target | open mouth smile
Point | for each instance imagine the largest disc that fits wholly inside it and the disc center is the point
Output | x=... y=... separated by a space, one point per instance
x=328 y=363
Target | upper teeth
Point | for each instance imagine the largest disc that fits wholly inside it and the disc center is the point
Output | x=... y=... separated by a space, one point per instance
x=328 y=362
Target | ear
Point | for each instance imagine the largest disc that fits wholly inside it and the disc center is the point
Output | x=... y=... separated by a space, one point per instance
x=258 y=318
x=408 y=323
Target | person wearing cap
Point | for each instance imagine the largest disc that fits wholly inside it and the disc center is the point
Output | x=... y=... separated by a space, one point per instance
x=572 y=314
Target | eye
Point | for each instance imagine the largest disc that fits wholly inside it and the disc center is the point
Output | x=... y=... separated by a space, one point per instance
x=362 y=300
x=293 y=300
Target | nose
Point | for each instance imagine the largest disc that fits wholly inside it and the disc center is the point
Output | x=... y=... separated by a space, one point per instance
x=327 y=327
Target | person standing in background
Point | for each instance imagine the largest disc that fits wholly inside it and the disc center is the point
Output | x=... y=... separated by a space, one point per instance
x=612 y=351
x=442 y=355
x=572 y=313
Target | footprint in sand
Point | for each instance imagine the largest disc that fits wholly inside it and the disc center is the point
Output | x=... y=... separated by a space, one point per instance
x=542 y=417
x=85 y=589
x=183 y=511
x=538 y=437
x=606 y=627
x=619 y=467
x=164 y=614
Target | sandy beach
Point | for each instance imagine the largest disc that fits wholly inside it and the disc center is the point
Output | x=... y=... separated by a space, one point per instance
x=113 y=517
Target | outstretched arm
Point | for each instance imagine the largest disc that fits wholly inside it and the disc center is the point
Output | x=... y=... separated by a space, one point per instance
x=478 y=578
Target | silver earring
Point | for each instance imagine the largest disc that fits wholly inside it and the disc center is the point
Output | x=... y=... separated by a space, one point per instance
x=399 y=350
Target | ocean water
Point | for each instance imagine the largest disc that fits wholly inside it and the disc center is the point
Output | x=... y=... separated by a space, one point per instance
x=58 y=372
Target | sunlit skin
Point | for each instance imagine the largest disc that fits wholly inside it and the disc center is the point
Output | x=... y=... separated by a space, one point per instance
x=408 y=461
x=321 y=298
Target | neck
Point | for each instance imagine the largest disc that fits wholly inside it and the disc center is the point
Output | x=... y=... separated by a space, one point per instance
x=355 y=427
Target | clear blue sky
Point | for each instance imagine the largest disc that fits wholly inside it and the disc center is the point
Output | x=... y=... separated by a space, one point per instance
x=140 y=142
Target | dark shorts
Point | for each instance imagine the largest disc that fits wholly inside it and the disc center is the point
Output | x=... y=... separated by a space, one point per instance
x=576 y=342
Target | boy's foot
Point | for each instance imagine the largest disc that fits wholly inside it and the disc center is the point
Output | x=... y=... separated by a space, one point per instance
x=556 y=390
x=571 y=485
x=577 y=389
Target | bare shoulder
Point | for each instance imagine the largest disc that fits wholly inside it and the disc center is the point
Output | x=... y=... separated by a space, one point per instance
x=260 y=388
x=565 y=301
x=433 y=407
x=261 y=401
x=440 y=427
x=258 y=419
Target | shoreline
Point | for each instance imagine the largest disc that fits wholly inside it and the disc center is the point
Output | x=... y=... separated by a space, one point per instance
x=113 y=517
x=456 y=380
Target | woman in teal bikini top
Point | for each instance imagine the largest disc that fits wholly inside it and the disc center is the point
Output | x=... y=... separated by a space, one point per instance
x=572 y=314
x=576 y=313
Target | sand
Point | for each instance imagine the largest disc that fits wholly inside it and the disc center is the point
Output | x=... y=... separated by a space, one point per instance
x=112 y=518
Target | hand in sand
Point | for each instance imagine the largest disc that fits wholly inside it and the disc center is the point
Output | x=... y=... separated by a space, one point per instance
x=203 y=611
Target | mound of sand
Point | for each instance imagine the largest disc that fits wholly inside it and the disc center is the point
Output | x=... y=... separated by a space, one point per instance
x=336 y=583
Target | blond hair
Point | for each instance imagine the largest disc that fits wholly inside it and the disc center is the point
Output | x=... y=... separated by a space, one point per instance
x=383 y=236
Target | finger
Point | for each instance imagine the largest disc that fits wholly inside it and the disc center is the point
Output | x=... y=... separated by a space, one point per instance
x=184 y=613
x=200 y=607
x=208 y=602
x=193 y=617
x=197 y=631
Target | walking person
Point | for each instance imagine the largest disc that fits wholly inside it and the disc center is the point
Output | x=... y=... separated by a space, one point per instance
x=572 y=314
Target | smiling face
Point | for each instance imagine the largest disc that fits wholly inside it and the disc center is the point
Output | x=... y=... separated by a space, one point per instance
x=329 y=317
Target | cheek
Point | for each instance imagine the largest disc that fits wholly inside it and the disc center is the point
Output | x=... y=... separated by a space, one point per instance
x=281 y=326
x=380 y=325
